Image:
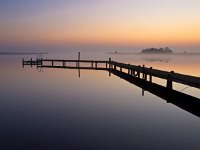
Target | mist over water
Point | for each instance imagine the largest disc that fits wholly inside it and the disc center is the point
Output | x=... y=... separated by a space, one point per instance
x=55 y=109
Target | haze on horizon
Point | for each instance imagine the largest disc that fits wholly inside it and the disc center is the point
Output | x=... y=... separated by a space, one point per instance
x=99 y=25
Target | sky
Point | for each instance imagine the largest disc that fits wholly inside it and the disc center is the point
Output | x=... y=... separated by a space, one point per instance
x=99 y=25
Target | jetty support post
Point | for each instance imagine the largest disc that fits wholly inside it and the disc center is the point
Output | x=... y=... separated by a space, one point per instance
x=109 y=66
x=41 y=62
x=169 y=81
x=79 y=56
x=23 y=62
x=63 y=63
x=31 y=62
x=96 y=64
x=144 y=77
x=129 y=71
x=37 y=62
x=150 y=76
x=92 y=64
x=52 y=63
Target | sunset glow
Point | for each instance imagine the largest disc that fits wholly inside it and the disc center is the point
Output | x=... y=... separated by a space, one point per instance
x=127 y=23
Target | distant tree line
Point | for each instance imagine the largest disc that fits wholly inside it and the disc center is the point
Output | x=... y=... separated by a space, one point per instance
x=157 y=50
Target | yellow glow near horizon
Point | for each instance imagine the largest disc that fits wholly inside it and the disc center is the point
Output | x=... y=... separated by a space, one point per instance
x=110 y=23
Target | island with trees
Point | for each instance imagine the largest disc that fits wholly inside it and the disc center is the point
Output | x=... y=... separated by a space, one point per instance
x=156 y=50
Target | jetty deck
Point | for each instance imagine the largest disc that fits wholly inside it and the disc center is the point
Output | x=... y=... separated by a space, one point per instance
x=142 y=72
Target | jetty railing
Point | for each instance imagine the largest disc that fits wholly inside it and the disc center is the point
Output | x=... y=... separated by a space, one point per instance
x=132 y=70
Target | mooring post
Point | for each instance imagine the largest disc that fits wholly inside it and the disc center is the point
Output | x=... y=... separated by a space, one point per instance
x=96 y=64
x=52 y=63
x=79 y=56
x=92 y=64
x=129 y=69
x=23 y=62
x=31 y=63
x=109 y=66
x=132 y=72
x=150 y=76
x=109 y=63
x=37 y=62
x=41 y=63
x=138 y=72
x=143 y=70
x=169 y=80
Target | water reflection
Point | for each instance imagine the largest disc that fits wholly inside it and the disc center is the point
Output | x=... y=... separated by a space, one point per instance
x=157 y=59
x=184 y=101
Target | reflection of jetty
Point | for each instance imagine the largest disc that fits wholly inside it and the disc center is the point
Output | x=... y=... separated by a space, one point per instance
x=136 y=71
x=183 y=101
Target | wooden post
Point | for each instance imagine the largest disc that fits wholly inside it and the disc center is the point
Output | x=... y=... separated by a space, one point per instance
x=31 y=62
x=106 y=65
x=41 y=62
x=143 y=71
x=109 y=66
x=132 y=72
x=129 y=69
x=79 y=56
x=150 y=76
x=63 y=63
x=169 y=81
x=52 y=63
x=138 y=73
x=23 y=62
x=96 y=64
x=109 y=63
x=37 y=62
x=121 y=69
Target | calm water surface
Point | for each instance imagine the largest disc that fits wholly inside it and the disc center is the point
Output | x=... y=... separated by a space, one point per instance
x=55 y=109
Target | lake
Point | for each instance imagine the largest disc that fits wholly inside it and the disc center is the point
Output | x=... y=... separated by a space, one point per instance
x=55 y=109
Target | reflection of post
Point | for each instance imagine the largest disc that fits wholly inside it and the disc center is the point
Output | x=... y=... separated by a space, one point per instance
x=142 y=92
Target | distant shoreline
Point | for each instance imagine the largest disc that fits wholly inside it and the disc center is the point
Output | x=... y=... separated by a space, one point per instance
x=154 y=53
x=20 y=53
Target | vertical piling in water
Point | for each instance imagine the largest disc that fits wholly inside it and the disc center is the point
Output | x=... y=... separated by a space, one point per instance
x=31 y=62
x=78 y=63
x=109 y=66
x=92 y=64
x=41 y=62
x=79 y=55
x=96 y=64
x=143 y=72
x=169 y=80
x=128 y=69
x=23 y=62
x=52 y=63
x=37 y=62
x=63 y=63
x=150 y=76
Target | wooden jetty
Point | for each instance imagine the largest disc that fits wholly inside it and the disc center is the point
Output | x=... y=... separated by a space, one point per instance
x=141 y=72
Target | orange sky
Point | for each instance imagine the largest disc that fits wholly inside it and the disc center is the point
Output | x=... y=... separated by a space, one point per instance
x=139 y=23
